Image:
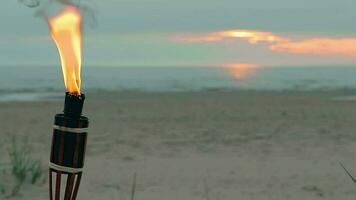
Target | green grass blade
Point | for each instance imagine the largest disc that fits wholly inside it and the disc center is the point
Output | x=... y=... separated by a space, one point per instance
x=133 y=190
x=347 y=172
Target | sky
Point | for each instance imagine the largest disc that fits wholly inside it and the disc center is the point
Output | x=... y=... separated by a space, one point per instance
x=192 y=33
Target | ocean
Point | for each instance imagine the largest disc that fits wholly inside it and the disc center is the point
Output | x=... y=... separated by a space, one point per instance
x=28 y=83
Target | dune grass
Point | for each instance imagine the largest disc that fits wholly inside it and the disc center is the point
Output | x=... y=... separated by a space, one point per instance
x=347 y=172
x=133 y=189
x=21 y=169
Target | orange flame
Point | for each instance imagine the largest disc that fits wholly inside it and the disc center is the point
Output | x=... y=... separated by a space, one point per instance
x=66 y=33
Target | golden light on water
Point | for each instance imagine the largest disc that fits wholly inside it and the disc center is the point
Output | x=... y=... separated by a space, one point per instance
x=241 y=71
x=66 y=32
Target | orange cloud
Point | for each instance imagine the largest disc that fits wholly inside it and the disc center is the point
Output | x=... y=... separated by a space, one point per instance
x=253 y=37
x=319 y=46
x=313 y=46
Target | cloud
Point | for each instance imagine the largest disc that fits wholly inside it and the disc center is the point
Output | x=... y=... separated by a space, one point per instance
x=320 y=46
x=253 y=37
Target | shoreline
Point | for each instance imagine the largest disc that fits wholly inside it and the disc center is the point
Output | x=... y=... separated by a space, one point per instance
x=341 y=94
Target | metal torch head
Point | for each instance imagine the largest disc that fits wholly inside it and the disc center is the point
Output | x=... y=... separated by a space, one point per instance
x=73 y=105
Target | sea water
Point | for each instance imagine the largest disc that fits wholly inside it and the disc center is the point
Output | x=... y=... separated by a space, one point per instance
x=28 y=83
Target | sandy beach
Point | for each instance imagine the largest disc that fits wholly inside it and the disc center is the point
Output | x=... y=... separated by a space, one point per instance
x=213 y=145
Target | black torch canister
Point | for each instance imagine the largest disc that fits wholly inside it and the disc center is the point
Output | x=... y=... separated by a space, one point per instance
x=68 y=149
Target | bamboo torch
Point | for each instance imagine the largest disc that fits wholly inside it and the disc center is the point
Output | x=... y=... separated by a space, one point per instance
x=70 y=127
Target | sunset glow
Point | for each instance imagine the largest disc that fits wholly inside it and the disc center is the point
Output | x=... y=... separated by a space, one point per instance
x=345 y=47
x=319 y=46
x=253 y=37
x=241 y=71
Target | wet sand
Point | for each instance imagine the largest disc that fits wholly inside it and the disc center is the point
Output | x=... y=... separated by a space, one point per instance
x=212 y=145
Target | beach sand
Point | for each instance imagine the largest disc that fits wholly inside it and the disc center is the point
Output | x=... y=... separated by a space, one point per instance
x=213 y=145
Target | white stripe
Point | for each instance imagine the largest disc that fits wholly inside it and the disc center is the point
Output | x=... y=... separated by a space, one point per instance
x=65 y=169
x=72 y=130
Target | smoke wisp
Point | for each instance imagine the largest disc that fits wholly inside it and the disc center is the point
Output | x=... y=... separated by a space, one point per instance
x=48 y=8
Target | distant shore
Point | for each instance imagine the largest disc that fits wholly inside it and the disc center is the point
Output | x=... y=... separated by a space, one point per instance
x=201 y=145
x=57 y=95
x=303 y=78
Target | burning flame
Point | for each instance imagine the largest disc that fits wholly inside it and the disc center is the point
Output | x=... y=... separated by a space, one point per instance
x=66 y=33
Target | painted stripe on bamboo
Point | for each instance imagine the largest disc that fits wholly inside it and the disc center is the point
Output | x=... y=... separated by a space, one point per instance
x=65 y=169
x=72 y=130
